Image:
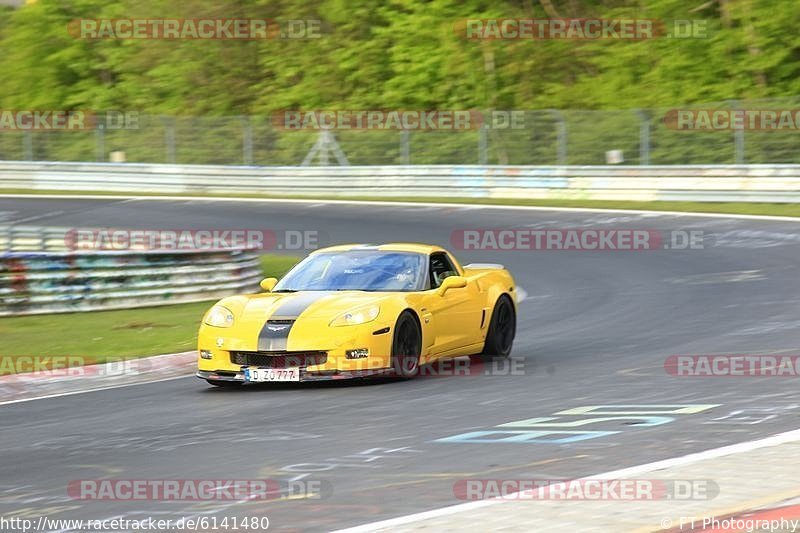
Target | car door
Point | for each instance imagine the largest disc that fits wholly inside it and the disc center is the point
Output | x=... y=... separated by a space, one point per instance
x=455 y=316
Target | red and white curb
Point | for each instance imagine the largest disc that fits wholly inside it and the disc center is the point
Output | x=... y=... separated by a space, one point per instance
x=16 y=388
x=417 y=520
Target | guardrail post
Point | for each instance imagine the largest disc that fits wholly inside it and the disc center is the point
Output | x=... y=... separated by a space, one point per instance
x=247 y=141
x=644 y=137
x=405 y=148
x=100 y=151
x=483 y=145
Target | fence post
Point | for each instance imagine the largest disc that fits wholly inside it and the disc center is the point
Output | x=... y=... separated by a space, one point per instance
x=644 y=137
x=561 y=149
x=405 y=148
x=27 y=145
x=247 y=141
x=483 y=145
x=100 y=146
x=169 y=138
x=738 y=139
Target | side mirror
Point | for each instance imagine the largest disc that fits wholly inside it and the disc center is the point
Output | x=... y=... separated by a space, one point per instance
x=452 y=282
x=268 y=284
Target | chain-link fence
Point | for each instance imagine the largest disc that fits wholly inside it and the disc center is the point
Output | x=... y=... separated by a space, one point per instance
x=543 y=137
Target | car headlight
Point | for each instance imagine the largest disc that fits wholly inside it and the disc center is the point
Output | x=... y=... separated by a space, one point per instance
x=220 y=317
x=357 y=316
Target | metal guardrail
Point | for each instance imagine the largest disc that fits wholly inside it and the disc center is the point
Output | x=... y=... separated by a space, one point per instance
x=39 y=274
x=747 y=183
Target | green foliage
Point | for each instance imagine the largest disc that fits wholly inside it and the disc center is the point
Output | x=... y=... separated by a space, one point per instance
x=398 y=54
x=395 y=54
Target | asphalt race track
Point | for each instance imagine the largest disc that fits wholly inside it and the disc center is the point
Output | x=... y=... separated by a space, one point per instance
x=595 y=329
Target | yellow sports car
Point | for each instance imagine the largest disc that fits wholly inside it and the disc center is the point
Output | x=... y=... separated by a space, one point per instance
x=359 y=310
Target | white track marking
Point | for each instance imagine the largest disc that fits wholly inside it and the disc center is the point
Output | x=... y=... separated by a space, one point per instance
x=396 y=203
x=742 y=447
x=32 y=218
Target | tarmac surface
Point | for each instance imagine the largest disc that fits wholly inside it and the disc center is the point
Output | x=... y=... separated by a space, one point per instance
x=595 y=329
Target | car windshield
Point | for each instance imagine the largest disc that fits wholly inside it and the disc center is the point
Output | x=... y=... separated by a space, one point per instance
x=363 y=270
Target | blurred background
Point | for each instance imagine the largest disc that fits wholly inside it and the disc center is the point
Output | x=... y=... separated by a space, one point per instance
x=211 y=101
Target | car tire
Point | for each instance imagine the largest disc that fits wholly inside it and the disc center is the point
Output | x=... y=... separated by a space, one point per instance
x=502 y=329
x=224 y=384
x=406 y=346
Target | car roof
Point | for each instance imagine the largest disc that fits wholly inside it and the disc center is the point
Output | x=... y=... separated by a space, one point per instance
x=388 y=247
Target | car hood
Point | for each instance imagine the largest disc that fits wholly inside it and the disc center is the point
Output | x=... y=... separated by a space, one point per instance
x=309 y=304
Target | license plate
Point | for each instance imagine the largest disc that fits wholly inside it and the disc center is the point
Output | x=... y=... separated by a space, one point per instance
x=260 y=375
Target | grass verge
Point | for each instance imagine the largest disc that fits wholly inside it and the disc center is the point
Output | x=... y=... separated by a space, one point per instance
x=733 y=208
x=99 y=335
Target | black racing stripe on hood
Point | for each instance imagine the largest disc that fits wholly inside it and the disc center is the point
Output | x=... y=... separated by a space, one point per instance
x=274 y=333
x=290 y=308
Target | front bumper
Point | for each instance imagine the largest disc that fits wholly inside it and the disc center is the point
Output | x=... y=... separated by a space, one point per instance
x=305 y=376
x=320 y=355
